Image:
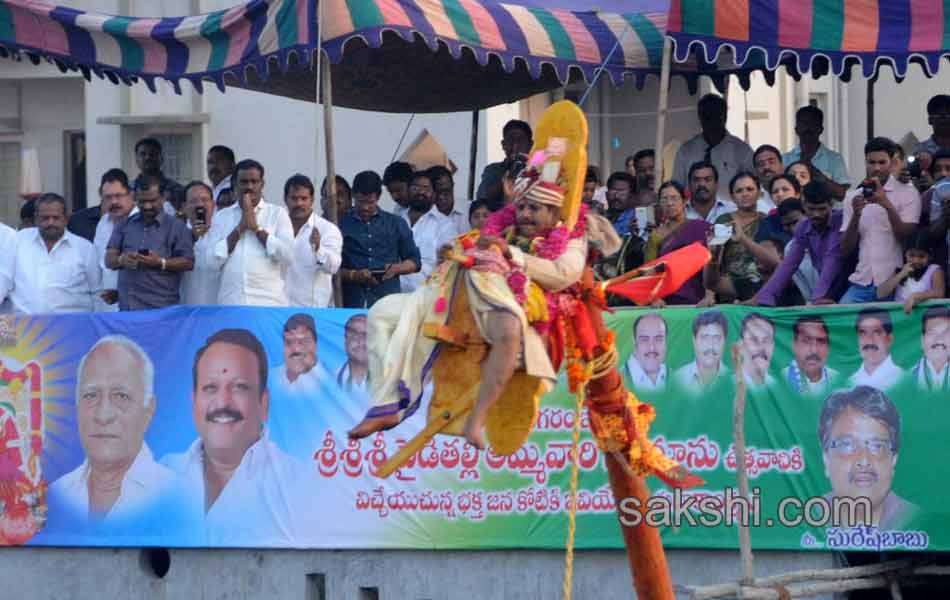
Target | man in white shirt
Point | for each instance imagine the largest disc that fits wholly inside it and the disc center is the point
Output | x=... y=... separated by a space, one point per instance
x=117 y=204
x=875 y=336
x=115 y=402
x=704 y=202
x=252 y=243
x=758 y=345
x=714 y=144
x=932 y=371
x=768 y=164
x=396 y=179
x=233 y=474
x=430 y=229
x=710 y=329
x=52 y=270
x=220 y=166
x=646 y=365
x=809 y=373
x=318 y=245
x=8 y=244
x=353 y=376
x=445 y=200
x=200 y=285
x=302 y=372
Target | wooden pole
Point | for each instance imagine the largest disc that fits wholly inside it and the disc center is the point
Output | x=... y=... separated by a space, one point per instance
x=332 y=215
x=645 y=554
x=870 y=106
x=662 y=109
x=472 y=157
x=738 y=434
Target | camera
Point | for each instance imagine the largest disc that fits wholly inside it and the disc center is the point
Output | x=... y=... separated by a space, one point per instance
x=515 y=165
x=867 y=188
x=201 y=215
x=914 y=168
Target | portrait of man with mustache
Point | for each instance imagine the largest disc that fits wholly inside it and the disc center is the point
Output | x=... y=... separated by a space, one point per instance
x=875 y=336
x=710 y=330
x=932 y=371
x=809 y=373
x=860 y=435
x=233 y=473
x=646 y=365
x=758 y=345
x=302 y=372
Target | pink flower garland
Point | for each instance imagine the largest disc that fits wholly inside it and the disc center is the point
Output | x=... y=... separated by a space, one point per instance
x=550 y=247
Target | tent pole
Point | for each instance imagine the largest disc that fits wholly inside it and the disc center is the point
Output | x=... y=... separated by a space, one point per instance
x=472 y=156
x=332 y=215
x=870 y=107
x=662 y=110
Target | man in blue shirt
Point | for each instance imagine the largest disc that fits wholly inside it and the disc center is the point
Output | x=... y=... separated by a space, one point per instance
x=377 y=246
x=827 y=165
x=151 y=249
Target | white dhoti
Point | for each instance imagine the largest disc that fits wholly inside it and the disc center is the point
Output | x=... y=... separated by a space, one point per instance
x=403 y=356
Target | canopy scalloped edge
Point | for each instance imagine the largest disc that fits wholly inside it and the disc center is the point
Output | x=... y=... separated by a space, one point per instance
x=336 y=51
x=801 y=61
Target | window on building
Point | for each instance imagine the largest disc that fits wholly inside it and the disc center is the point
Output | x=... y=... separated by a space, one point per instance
x=178 y=151
x=10 y=183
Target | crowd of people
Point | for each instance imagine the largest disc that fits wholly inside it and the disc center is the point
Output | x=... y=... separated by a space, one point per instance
x=784 y=229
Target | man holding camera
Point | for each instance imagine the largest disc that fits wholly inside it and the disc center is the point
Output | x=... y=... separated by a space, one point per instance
x=495 y=185
x=151 y=250
x=878 y=214
x=200 y=285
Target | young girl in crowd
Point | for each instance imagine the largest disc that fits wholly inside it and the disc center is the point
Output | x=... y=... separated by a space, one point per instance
x=477 y=213
x=918 y=279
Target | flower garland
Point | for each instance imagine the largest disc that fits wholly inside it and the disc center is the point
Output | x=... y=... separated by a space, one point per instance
x=501 y=223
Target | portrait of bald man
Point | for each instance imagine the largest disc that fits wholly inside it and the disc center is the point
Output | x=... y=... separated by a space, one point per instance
x=115 y=402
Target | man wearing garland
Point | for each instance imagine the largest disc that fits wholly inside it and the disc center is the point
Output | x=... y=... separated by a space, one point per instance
x=524 y=257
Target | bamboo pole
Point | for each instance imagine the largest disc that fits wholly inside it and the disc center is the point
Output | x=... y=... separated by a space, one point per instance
x=738 y=434
x=331 y=167
x=662 y=109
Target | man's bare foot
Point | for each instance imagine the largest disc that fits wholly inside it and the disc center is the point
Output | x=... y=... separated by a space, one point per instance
x=371 y=425
x=473 y=432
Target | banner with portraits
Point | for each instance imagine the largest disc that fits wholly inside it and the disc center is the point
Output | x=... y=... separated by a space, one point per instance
x=227 y=427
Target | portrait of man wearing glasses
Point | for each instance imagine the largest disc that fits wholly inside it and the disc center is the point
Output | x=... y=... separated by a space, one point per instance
x=860 y=434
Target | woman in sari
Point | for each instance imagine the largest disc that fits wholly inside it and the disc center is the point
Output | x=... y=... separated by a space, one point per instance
x=674 y=232
x=733 y=274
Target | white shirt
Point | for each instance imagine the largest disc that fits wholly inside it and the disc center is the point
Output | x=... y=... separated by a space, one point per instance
x=720 y=208
x=430 y=232
x=224 y=184
x=729 y=156
x=144 y=484
x=65 y=279
x=309 y=278
x=344 y=378
x=754 y=385
x=640 y=379
x=687 y=376
x=306 y=383
x=927 y=377
x=271 y=499
x=886 y=375
x=110 y=277
x=797 y=380
x=201 y=284
x=7 y=254
x=765 y=204
x=252 y=274
x=459 y=218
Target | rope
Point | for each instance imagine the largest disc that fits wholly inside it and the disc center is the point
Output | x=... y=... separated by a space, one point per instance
x=575 y=476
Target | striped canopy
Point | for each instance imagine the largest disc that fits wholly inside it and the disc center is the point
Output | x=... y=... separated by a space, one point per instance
x=817 y=36
x=389 y=55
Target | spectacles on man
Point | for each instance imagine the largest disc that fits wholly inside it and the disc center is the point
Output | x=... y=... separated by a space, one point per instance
x=848 y=446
